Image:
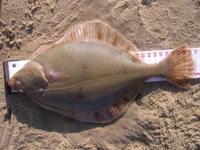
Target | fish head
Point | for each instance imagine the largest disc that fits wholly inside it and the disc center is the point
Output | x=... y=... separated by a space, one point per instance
x=30 y=79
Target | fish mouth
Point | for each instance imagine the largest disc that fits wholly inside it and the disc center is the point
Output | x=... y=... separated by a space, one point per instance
x=15 y=85
x=11 y=83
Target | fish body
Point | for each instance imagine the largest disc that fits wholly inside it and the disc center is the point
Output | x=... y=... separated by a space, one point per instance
x=97 y=74
x=94 y=77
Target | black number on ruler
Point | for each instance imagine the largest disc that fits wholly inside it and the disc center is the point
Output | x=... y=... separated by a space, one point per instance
x=195 y=51
x=143 y=55
x=160 y=54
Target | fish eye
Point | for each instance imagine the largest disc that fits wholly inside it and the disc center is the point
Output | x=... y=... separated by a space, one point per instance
x=18 y=86
x=40 y=90
x=21 y=90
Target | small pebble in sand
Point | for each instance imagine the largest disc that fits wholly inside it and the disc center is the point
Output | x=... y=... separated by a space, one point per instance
x=22 y=25
x=34 y=9
x=29 y=27
x=52 y=9
x=2 y=23
x=13 y=21
x=8 y=33
x=18 y=43
x=11 y=43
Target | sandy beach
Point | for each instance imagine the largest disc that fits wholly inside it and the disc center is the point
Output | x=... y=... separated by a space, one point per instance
x=169 y=118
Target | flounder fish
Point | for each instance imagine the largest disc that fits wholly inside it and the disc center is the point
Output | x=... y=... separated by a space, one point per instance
x=93 y=75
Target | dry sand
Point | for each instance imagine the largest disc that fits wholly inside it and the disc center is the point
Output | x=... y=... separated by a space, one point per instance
x=169 y=118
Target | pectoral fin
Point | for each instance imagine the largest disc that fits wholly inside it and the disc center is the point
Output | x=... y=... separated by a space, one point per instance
x=55 y=76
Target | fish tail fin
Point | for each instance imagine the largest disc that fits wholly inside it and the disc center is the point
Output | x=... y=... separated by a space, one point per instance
x=179 y=66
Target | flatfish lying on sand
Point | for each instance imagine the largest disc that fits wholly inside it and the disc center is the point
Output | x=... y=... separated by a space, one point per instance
x=92 y=75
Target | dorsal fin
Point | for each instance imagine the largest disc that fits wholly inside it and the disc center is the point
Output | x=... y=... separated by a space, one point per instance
x=97 y=30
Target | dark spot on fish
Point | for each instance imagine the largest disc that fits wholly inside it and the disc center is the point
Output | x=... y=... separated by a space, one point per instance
x=84 y=66
x=80 y=95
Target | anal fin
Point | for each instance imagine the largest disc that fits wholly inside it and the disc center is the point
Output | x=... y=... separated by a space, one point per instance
x=101 y=115
x=106 y=114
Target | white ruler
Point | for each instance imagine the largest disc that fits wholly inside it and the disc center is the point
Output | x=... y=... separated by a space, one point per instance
x=146 y=56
